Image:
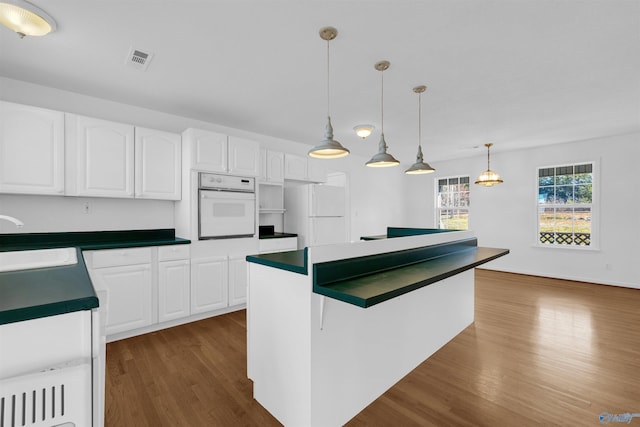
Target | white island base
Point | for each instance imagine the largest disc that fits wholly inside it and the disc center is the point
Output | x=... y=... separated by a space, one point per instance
x=318 y=361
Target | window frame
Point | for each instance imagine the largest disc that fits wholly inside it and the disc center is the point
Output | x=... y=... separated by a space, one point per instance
x=438 y=209
x=595 y=208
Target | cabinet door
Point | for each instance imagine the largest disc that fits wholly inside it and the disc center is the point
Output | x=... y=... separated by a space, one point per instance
x=102 y=154
x=31 y=150
x=237 y=281
x=209 y=278
x=173 y=289
x=158 y=164
x=316 y=170
x=128 y=291
x=295 y=167
x=244 y=157
x=275 y=166
x=208 y=150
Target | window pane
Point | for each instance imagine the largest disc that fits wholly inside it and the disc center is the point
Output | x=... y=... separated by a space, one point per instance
x=545 y=195
x=583 y=193
x=564 y=194
x=464 y=199
x=545 y=180
x=582 y=217
x=564 y=220
x=546 y=225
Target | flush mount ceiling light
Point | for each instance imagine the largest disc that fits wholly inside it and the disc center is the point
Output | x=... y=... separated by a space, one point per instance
x=363 y=131
x=25 y=19
x=419 y=167
x=328 y=148
x=488 y=178
x=382 y=158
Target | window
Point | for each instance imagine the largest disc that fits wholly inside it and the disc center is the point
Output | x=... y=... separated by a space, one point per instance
x=565 y=205
x=452 y=205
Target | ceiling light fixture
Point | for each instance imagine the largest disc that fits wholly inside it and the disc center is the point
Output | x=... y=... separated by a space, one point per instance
x=363 y=131
x=488 y=178
x=382 y=158
x=328 y=148
x=419 y=167
x=25 y=19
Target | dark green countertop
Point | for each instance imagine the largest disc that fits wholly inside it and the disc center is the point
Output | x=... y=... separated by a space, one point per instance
x=294 y=261
x=42 y=292
x=277 y=235
x=373 y=289
x=404 y=232
x=89 y=240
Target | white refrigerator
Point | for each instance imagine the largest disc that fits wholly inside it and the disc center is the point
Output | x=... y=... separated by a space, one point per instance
x=316 y=213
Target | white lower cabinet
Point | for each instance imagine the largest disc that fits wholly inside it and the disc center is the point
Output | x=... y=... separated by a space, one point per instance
x=209 y=289
x=237 y=280
x=173 y=289
x=128 y=291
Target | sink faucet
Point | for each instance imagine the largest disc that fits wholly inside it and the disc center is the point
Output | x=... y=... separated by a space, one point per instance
x=16 y=221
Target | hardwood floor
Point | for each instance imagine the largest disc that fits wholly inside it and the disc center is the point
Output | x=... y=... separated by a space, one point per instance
x=540 y=352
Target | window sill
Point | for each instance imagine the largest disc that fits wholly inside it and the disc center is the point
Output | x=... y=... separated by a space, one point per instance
x=590 y=248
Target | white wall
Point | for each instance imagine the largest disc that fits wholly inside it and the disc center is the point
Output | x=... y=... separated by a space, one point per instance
x=371 y=211
x=505 y=215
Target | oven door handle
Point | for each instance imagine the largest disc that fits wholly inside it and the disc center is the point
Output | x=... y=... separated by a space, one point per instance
x=222 y=195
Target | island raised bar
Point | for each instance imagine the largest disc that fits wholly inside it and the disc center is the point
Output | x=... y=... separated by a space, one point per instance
x=331 y=328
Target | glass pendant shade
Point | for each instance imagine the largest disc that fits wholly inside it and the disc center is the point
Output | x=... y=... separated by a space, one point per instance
x=489 y=178
x=328 y=148
x=382 y=159
x=25 y=19
x=419 y=167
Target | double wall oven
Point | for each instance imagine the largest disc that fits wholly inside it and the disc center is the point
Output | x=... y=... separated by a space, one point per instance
x=226 y=206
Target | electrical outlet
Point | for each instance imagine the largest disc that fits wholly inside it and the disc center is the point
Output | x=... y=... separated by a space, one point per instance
x=87 y=208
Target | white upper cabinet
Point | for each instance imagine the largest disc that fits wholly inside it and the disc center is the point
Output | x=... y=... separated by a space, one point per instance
x=100 y=157
x=214 y=152
x=157 y=164
x=272 y=166
x=295 y=167
x=301 y=168
x=208 y=150
x=244 y=157
x=31 y=150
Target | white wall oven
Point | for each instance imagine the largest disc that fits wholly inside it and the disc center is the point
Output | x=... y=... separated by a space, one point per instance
x=226 y=206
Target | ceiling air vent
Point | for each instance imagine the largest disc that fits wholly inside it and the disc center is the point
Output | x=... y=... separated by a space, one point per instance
x=138 y=59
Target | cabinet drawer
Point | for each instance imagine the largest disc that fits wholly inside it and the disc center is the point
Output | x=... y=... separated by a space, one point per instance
x=117 y=257
x=173 y=252
x=278 y=245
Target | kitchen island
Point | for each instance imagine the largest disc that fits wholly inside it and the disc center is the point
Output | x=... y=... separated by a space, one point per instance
x=331 y=328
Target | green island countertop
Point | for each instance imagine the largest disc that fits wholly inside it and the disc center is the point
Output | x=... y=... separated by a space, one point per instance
x=41 y=292
x=294 y=261
x=367 y=290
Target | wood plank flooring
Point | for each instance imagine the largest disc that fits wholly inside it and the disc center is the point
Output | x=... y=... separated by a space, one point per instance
x=540 y=352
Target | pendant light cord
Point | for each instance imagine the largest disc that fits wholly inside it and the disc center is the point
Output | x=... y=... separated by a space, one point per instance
x=420 y=120
x=382 y=102
x=328 y=85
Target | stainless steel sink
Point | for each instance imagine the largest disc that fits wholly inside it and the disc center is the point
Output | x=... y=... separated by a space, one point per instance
x=39 y=258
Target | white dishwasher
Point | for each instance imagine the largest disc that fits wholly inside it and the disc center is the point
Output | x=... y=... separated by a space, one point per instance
x=46 y=369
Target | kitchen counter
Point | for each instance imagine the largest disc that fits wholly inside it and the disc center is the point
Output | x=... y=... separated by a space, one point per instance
x=90 y=240
x=322 y=345
x=294 y=261
x=41 y=292
x=404 y=232
x=277 y=235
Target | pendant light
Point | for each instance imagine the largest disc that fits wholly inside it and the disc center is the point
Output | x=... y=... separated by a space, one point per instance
x=489 y=178
x=382 y=158
x=419 y=167
x=25 y=19
x=328 y=148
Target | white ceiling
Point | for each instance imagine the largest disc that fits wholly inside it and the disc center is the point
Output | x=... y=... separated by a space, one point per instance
x=517 y=73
